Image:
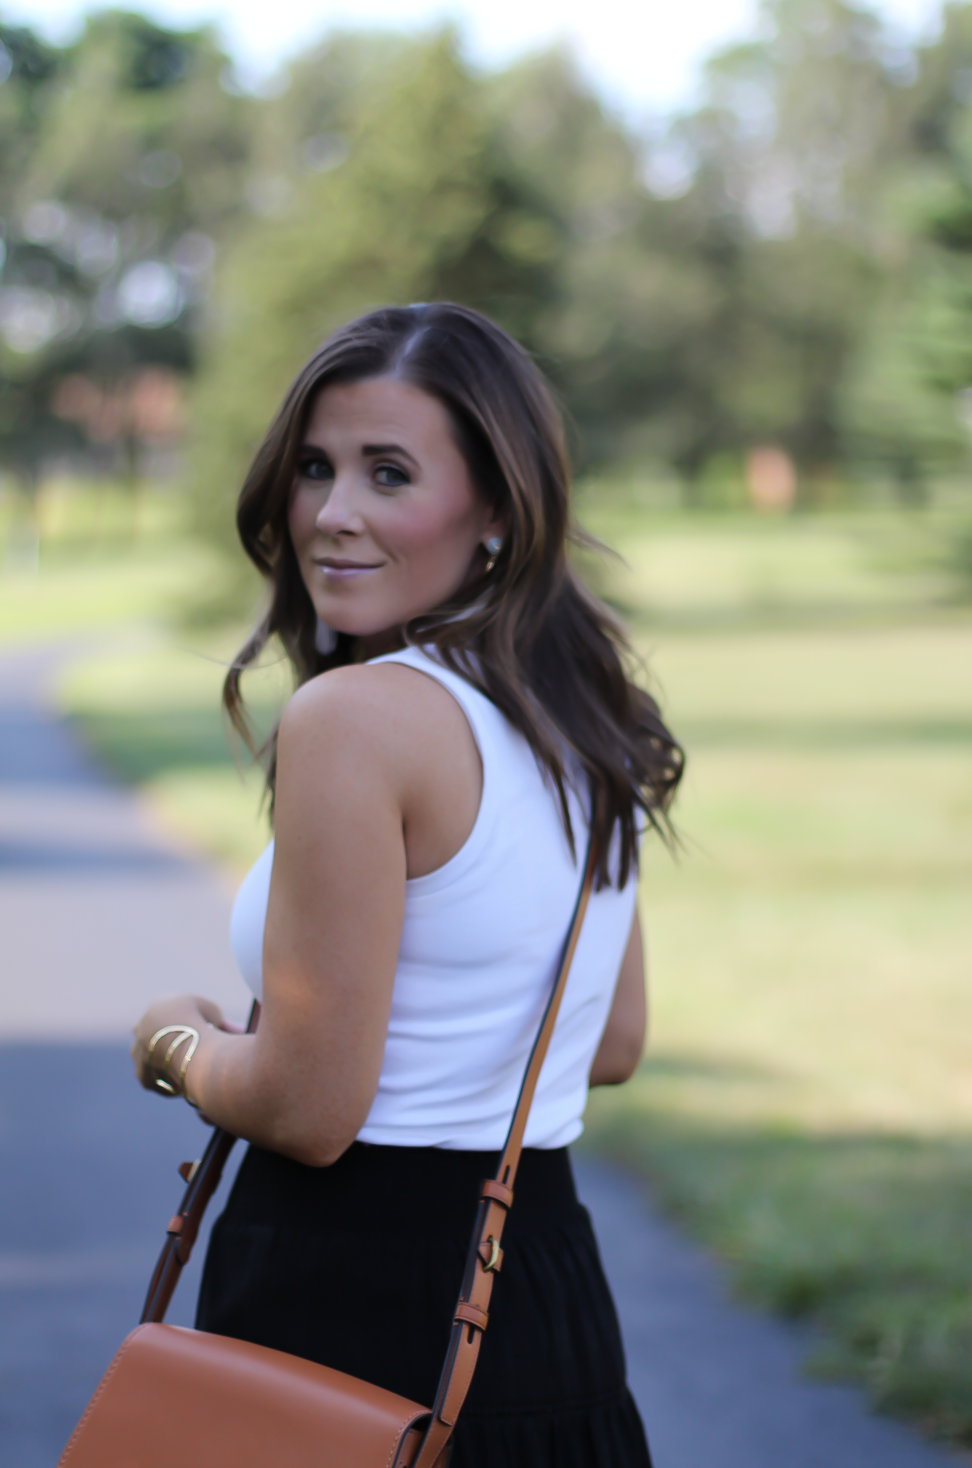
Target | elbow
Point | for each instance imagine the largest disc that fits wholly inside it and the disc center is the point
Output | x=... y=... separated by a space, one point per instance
x=306 y=1122
x=616 y=1064
x=311 y=1155
x=296 y=1116
x=311 y=1145
x=634 y=1055
x=622 y=1071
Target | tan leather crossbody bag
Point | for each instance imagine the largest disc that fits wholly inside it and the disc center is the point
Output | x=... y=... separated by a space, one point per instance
x=203 y=1400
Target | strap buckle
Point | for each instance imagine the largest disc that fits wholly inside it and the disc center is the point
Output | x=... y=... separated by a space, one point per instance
x=491 y=1254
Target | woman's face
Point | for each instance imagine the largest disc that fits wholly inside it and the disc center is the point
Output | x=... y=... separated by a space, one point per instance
x=384 y=517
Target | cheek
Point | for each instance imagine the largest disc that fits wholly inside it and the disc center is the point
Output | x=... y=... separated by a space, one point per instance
x=301 y=515
x=433 y=528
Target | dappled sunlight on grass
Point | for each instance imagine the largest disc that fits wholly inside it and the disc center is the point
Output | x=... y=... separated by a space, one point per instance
x=89 y=559
x=863 y=1234
x=806 y=1104
x=684 y=570
x=813 y=685
x=102 y=595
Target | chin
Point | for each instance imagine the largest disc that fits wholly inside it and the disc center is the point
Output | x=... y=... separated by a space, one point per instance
x=358 y=626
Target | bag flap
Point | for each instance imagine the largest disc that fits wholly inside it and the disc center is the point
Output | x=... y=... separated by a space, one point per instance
x=177 y=1395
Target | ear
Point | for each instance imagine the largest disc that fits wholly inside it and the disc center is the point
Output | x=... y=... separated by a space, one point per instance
x=497 y=525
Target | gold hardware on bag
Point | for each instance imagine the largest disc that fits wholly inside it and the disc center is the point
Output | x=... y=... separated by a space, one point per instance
x=495 y=1255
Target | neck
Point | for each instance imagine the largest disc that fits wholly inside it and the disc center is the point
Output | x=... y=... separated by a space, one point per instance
x=378 y=643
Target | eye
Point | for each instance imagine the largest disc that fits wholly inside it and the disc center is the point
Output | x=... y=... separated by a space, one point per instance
x=315 y=468
x=390 y=476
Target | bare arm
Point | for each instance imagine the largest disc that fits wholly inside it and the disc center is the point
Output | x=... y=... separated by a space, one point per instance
x=623 y=1040
x=371 y=788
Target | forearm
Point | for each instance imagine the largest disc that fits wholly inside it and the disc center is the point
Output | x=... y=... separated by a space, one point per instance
x=623 y=1041
x=288 y=1088
x=222 y=1082
x=615 y=1062
x=617 y=1057
x=286 y=1099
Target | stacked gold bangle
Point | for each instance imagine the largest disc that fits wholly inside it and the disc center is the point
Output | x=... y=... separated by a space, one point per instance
x=182 y=1033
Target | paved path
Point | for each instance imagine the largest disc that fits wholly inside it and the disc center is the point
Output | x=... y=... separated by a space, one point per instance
x=97 y=914
x=719 y=1386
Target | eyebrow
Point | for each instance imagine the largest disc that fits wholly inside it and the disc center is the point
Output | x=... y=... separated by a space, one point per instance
x=371 y=450
x=368 y=450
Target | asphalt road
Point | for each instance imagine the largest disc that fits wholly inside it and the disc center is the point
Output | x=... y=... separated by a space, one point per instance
x=97 y=913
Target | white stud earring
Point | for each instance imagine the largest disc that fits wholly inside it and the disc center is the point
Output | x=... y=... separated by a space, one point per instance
x=492 y=546
x=325 y=638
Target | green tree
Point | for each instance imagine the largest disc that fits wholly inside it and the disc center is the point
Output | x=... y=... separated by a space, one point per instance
x=906 y=392
x=138 y=129
x=124 y=158
x=384 y=226
x=607 y=290
x=899 y=415
x=516 y=194
x=789 y=155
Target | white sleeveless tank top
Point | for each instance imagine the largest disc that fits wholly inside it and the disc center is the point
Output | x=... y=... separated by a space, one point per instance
x=480 y=942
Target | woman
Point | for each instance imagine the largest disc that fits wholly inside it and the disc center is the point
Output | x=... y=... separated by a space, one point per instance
x=462 y=718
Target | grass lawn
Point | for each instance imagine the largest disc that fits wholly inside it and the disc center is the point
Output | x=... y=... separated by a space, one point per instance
x=92 y=560
x=805 y=1107
x=806 y=1104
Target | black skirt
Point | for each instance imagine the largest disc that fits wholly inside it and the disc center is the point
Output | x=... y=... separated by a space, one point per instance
x=358 y=1266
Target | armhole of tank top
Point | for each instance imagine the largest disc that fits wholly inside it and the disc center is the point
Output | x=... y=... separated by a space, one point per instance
x=248 y=917
x=466 y=697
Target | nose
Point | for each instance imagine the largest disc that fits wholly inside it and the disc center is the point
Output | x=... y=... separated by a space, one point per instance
x=340 y=512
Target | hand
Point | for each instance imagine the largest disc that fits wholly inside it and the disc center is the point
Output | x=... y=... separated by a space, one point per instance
x=182 y=1009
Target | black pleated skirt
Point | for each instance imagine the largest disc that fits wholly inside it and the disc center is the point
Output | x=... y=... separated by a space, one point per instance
x=358 y=1266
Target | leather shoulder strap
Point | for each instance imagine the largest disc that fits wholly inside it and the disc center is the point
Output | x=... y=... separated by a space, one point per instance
x=496 y=1197
x=202 y=1180
x=485 y=1255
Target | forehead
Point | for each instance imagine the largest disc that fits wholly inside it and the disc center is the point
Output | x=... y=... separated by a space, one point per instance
x=379 y=410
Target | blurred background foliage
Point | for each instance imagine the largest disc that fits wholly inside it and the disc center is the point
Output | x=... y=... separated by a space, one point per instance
x=787 y=267
x=758 y=316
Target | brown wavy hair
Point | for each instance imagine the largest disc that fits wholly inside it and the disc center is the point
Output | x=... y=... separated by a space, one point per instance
x=551 y=656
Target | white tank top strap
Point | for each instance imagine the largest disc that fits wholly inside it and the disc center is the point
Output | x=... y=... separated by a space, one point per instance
x=491 y=732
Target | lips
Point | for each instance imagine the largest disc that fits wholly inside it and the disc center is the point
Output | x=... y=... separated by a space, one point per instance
x=334 y=563
x=337 y=569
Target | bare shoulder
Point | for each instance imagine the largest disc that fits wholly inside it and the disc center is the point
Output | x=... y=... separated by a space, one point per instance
x=381 y=745
x=388 y=712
